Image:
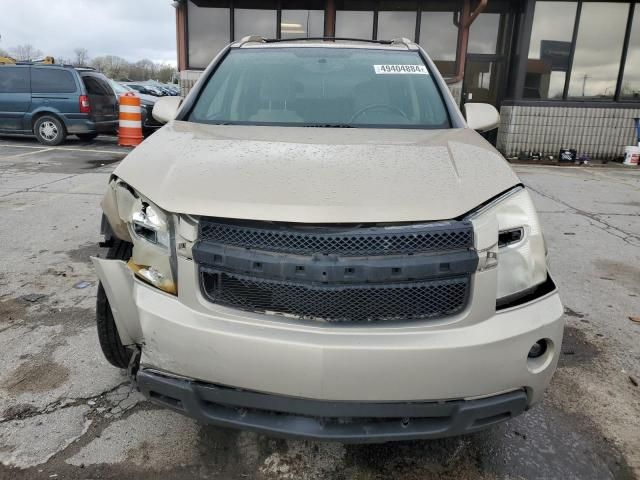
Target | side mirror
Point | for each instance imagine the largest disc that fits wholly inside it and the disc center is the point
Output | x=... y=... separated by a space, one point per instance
x=481 y=116
x=165 y=108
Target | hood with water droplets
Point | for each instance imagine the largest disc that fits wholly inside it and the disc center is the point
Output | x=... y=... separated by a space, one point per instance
x=316 y=175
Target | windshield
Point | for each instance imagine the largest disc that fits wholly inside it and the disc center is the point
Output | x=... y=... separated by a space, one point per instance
x=317 y=86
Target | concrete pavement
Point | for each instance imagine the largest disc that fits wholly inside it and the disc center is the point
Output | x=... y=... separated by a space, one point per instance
x=66 y=413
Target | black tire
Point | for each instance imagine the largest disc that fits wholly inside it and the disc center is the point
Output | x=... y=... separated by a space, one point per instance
x=49 y=130
x=116 y=354
x=87 y=136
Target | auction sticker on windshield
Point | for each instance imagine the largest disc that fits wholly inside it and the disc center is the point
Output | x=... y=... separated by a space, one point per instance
x=401 y=69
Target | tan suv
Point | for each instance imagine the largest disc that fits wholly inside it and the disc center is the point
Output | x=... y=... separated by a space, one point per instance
x=318 y=245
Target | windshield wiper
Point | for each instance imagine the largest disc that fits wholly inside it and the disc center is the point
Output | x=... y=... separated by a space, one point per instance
x=329 y=125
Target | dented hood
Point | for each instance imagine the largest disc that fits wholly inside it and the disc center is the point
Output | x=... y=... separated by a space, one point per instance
x=316 y=175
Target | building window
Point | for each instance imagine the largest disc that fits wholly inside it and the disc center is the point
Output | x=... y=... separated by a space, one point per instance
x=302 y=23
x=209 y=33
x=439 y=37
x=396 y=25
x=550 y=49
x=483 y=34
x=254 y=21
x=598 y=49
x=354 y=24
x=397 y=19
x=631 y=79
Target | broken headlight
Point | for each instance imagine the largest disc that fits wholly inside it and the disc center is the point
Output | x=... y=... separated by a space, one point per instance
x=150 y=231
x=150 y=223
x=151 y=235
x=521 y=249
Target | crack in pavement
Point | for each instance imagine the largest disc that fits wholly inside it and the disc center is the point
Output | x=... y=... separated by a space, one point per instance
x=595 y=220
x=613 y=179
x=63 y=193
x=62 y=403
x=28 y=189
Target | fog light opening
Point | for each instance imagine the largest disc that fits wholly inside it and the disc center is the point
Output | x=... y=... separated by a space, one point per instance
x=538 y=349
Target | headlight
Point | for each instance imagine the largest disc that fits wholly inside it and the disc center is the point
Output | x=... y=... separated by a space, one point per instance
x=521 y=257
x=152 y=254
x=149 y=223
x=150 y=230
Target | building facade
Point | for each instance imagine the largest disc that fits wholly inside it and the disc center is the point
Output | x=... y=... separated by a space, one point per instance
x=564 y=74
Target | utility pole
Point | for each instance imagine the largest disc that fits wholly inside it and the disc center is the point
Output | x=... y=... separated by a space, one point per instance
x=584 y=83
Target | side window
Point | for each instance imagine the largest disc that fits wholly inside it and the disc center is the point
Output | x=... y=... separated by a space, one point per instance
x=14 y=80
x=52 y=80
x=96 y=86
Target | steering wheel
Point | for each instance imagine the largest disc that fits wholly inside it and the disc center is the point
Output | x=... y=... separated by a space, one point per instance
x=378 y=105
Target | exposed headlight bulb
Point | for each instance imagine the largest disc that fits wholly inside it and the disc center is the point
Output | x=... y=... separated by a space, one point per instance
x=148 y=224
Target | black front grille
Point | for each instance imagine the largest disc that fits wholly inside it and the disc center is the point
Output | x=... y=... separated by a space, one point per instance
x=346 y=241
x=337 y=274
x=356 y=303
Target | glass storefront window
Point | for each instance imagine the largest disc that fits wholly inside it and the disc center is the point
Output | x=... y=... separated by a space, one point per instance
x=396 y=24
x=483 y=35
x=208 y=33
x=550 y=49
x=302 y=23
x=631 y=80
x=254 y=21
x=439 y=37
x=354 y=24
x=598 y=49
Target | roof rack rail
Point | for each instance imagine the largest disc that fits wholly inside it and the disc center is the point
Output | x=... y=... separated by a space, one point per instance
x=300 y=39
x=40 y=64
x=401 y=41
x=250 y=39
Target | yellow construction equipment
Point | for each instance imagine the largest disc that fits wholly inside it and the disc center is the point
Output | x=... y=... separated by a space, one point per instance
x=9 y=60
x=46 y=60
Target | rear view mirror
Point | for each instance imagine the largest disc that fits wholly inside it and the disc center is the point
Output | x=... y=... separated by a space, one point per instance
x=481 y=116
x=166 y=109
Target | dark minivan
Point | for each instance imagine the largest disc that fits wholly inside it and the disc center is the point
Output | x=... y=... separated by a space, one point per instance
x=53 y=101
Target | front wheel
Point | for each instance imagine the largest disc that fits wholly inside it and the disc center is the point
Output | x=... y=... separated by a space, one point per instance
x=49 y=130
x=116 y=354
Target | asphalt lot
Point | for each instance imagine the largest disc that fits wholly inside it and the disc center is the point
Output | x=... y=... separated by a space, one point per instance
x=66 y=413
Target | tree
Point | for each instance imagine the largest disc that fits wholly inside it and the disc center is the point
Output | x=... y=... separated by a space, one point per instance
x=142 y=69
x=112 y=66
x=165 y=73
x=26 y=52
x=82 y=57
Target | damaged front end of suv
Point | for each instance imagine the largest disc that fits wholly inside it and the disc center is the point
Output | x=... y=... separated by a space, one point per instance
x=382 y=282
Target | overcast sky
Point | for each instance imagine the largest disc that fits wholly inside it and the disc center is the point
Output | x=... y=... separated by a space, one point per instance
x=132 y=29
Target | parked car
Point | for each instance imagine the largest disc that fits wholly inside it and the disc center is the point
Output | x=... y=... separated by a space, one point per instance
x=174 y=88
x=120 y=88
x=166 y=89
x=53 y=101
x=161 y=87
x=317 y=244
x=149 y=124
x=146 y=89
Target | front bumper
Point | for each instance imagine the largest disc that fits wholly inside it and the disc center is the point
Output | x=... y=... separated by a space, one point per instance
x=349 y=422
x=477 y=353
x=466 y=371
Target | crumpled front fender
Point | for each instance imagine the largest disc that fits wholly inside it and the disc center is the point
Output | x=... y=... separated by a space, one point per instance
x=117 y=281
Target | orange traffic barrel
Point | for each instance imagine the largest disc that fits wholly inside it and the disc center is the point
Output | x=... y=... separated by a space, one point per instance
x=130 y=131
